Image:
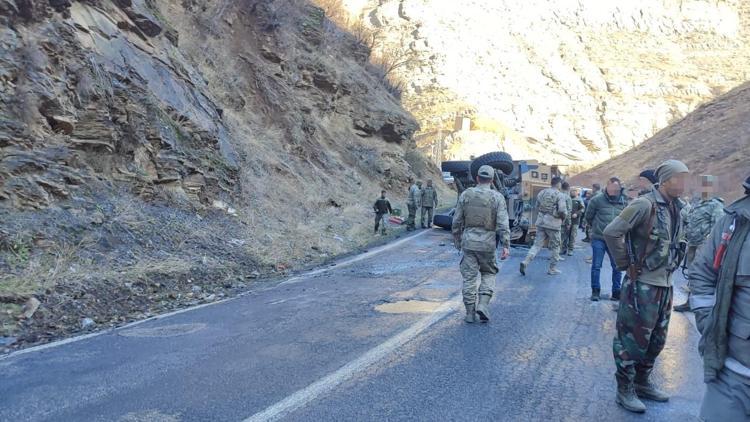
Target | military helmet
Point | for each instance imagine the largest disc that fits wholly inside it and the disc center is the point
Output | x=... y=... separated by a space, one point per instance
x=486 y=172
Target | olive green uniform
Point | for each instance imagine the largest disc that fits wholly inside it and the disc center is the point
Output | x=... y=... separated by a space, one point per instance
x=645 y=303
x=429 y=201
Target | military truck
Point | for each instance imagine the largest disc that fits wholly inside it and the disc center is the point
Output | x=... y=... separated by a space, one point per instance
x=508 y=178
x=519 y=182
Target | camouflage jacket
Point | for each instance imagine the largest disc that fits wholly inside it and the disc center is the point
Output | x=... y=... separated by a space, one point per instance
x=569 y=207
x=553 y=209
x=576 y=213
x=701 y=219
x=429 y=197
x=480 y=222
x=659 y=247
x=415 y=196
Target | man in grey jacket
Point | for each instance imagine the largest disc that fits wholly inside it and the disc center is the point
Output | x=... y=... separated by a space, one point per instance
x=720 y=283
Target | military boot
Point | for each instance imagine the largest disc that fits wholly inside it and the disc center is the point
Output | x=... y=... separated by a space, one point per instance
x=553 y=270
x=645 y=389
x=595 y=295
x=615 y=295
x=471 y=316
x=627 y=398
x=685 y=307
x=523 y=266
x=483 y=309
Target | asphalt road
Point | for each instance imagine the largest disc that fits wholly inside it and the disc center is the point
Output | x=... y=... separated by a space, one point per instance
x=377 y=338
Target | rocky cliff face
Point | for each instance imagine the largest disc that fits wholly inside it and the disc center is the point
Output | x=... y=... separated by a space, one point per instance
x=149 y=146
x=714 y=139
x=572 y=81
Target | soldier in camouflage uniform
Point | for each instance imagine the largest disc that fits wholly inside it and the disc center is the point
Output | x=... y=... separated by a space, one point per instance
x=553 y=210
x=720 y=278
x=700 y=221
x=571 y=229
x=480 y=226
x=412 y=204
x=429 y=201
x=565 y=228
x=644 y=239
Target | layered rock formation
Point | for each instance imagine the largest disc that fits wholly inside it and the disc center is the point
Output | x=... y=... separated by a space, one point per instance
x=573 y=81
x=147 y=147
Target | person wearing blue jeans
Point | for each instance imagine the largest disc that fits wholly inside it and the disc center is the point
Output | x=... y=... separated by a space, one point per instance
x=602 y=210
x=599 y=249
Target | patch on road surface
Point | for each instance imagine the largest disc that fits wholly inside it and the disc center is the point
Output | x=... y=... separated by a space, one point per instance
x=163 y=331
x=149 y=416
x=409 y=307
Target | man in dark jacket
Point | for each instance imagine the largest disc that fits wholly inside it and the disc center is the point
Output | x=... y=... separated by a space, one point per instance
x=382 y=208
x=602 y=209
x=720 y=283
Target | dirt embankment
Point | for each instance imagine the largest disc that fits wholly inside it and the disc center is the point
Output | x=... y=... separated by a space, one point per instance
x=159 y=154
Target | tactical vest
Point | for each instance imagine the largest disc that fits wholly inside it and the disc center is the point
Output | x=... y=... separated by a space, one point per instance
x=661 y=248
x=547 y=202
x=480 y=209
x=701 y=221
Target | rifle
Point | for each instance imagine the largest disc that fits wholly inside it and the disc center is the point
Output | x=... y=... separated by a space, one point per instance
x=633 y=269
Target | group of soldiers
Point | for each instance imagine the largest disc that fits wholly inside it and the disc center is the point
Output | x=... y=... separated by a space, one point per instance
x=424 y=198
x=647 y=238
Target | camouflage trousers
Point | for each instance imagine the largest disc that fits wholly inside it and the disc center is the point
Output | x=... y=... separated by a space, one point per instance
x=426 y=212
x=642 y=325
x=545 y=235
x=569 y=238
x=411 y=219
x=482 y=265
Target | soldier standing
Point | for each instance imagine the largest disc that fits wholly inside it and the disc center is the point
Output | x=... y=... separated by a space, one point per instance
x=565 y=189
x=644 y=239
x=412 y=204
x=552 y=212
x=720 y=278
x=576 y=213
x=700 y=220
x=382 y=208
x=481 y=218
x=429 y=201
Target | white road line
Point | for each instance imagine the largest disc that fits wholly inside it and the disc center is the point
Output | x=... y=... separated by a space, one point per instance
x=350 y=370
x=295 y=279
x=328 y=383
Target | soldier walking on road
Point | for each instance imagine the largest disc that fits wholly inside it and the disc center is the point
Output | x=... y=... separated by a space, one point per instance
x=412 y=204
x=382 y=208
x=552 y=212
x=645 y=239
x=720 y=281
x=700 y=220
x=602 y=210
x=480 y=226
x=571 y=230
x=429 y=201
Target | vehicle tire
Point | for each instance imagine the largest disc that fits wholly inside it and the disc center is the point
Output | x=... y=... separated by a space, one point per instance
x=455 y=166
x=499 y=160
x=443 y=220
